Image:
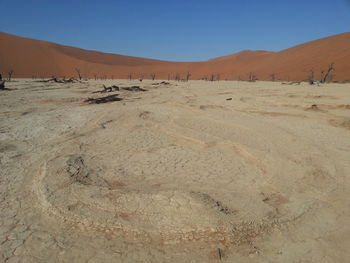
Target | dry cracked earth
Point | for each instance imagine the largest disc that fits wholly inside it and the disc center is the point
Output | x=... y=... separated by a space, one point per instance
x=186 y=172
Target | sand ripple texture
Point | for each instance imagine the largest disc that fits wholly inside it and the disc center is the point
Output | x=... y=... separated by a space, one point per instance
x=186 y=172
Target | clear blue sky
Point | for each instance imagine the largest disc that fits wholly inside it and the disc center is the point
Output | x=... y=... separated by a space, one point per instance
x=178 y=30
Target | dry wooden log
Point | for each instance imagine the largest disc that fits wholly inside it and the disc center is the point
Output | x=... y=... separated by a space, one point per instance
x=108 y=89
x=106 y=99
x=134 y=88
x=57 y=80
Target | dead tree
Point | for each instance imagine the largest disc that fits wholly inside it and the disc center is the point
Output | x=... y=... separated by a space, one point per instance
x=130 y=76
x=153 y=76
x=310 y=77
x=273 y=77
x=326 y=76
x=212 y=77
x=79 y=74
x=0 y=77
x=168 y=77
x=177 y=77
x=188 y=75
x=252 y=77
x=10 y=73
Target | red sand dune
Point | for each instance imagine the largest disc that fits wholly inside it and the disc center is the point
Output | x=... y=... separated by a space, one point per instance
x=28 y=57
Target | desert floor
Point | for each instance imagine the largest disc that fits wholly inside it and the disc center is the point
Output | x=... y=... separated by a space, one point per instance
x=187 y=172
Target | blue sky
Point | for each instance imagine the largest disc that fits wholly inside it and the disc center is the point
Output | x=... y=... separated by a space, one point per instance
x=177 y=30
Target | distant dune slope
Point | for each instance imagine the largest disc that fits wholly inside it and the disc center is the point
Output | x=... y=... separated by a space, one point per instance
x=28 y=57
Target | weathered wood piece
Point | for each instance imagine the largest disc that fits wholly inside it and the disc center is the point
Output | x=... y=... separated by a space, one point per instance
x=106 y=99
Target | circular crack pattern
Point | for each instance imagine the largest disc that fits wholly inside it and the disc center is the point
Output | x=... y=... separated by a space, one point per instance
x=172 y=183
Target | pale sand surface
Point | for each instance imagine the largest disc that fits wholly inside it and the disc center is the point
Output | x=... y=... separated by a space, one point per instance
x=175 y=174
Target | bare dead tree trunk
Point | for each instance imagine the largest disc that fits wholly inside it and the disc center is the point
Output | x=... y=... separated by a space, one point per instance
x=10 y=73
x=310 y=77
x=273 y=77
x=212 y=77
x=188 y=76
x=153 y=76
x=177 y=77
x=252 y=77
x=326 y=76
x=168 y=77
x=79 y=74
x=130 y=76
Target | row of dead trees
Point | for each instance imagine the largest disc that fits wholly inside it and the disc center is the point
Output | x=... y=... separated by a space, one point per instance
x=212 y=77
x=177 y=77
x=325 y=76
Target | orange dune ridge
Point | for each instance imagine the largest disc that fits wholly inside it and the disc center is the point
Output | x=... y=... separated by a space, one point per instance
x=34 y=58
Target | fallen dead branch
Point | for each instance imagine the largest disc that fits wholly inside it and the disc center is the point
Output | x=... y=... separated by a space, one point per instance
x=134 y=88
x=162 y=83
x=106 y=99
x=57 y=80
x=291 y=83
x=116 y=88
x=108 y=89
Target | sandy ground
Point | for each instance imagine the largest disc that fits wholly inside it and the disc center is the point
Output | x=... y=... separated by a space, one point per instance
x=187 y=172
